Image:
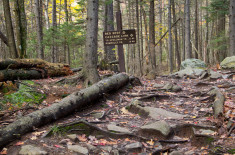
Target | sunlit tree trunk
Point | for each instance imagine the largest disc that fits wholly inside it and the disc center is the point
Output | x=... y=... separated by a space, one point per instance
x=152 y=36
x=232 y=28
x=170 y=37
x=188 y=46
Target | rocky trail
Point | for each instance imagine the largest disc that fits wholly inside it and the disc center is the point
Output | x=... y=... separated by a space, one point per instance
x=188 y=114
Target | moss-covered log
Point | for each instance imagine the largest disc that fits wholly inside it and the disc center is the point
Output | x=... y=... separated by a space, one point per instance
x=51 y=69
x=10 y=75
x=65 y=107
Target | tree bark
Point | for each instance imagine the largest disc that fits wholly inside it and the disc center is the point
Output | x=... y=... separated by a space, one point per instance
x=46 y=14
x=177 y=52
x=188 y=46
x=170 y=37
x=232 y=28
x=21 y=27
x=9 y=29
x=90 y=54
x=38 y=13
x=196 y=53
x=65 y=107
x=152 y=36
x=54 y=25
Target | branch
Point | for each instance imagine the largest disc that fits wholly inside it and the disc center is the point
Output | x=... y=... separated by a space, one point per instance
x=167 y=31
x=4 y=38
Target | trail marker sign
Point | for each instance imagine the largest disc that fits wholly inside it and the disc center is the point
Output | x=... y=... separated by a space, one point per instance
x=119 y=37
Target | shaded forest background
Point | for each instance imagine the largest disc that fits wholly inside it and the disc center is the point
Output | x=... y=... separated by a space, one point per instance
x=168 y=32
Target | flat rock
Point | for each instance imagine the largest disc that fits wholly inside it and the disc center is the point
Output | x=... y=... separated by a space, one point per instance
x=158 y=85
x=206 y=132
x=78 y=149
x=106 y=148
x=73 y=137
x=161 y=127
x=215 y=75
x=31 y=150
x=134 y=146
x=189 y=72
x=112 y=127
x=176 y=153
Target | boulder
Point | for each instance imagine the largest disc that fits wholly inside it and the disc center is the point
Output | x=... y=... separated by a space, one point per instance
x=193 y=63
x=228 y=63
x=118 y=129
x=78 y=149
x=31 y=150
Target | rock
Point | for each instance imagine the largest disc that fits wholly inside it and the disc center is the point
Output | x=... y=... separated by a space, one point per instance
x=73 y=137
x=97 y=114
x=134 y=146
x=172 y=87
x=189 y=71
x=115 y=152
x=78 y=149
x=193 y=63
x=91 y=147
x=176 y=153
x=158 y=85
x=228 y=63
x=151 y=75
x=206 y=132
x=106 y=148
x=215 y=75
x=161 y=127
x=31 y=150
x=155 y=113
x=112 y=127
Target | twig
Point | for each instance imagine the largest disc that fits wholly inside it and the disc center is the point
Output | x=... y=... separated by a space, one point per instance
x=231 y=129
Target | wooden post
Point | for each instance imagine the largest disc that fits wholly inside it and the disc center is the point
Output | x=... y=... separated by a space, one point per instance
x=121 y=57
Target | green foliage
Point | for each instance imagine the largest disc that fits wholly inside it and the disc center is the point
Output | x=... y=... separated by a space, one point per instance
x=217 y=9
x=219 y=42
x=25 y=94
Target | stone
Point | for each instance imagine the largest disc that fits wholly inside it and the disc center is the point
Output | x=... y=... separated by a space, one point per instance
x=134 y=146
x=206 y=132
x=91 y=147
x=31 y=150
x=78 y=149
x=189 y=71
x=97 y=114
x=228 y=63
x=159 y=127
x=151 y=75
x=73 y=137
x=193 y=63
x=112 y=127
x=176 y=153
x=115 y=152
x=215 y=75
x=106 y=148
x=158 y=85
x=172 y=87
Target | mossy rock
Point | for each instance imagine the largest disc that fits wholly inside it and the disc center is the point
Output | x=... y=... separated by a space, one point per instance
x=228 y=63
x=193 y=63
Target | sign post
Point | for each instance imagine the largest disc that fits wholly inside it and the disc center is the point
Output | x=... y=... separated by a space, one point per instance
x=119 y=38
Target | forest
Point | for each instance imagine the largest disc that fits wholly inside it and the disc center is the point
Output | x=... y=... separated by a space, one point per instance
x=117 y=76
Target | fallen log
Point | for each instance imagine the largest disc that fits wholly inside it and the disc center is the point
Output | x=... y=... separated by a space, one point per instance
x=51 y=69
x=66 y=106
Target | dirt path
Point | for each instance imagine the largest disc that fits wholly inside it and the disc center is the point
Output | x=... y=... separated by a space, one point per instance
x=164 y=115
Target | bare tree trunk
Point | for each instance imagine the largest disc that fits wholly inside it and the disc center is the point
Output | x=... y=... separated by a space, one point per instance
x=38 y=13
x=170 y=37
x=207 y=52
x=46 y=14
x=9 y=28
x=54 y=24
x=232 y=28
x=176 y=37
x=152 y=36
x=196 y=30
x=160 y=32
x=188 y=47
x=138 y=60
x=90 y=54
x=66 y=41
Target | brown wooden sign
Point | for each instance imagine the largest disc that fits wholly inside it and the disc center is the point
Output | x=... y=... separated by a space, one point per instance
x=119 y=37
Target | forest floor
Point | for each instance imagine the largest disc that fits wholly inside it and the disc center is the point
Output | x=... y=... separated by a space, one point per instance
x=158 y=120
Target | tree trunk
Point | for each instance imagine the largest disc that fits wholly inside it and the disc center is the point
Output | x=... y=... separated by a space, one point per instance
x=160 y=32
x=65 y=107
x=38 y=13
x=152 y=36
x=109 y=26
x=207 y=52
x=188 y=47
x=21 y=27
x=4 y=38
x=170 y=37
x=196 y=53
x=90 y=54
x=232 y=28
x=138 y=60
x=9 y=29
x=66 y=41
x=46 y=14
x=54 y=25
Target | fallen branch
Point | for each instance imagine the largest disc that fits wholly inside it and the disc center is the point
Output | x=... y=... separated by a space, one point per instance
x=63 y=108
